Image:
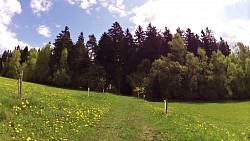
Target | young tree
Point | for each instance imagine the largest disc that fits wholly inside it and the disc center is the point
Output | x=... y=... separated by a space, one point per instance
x=178 y=49
x=219 y=68
x=61 y=77
x=30 y=65
x=164 y=79
x=235 y=77
x=42 y=65
x=193 y=69
x=12 y=66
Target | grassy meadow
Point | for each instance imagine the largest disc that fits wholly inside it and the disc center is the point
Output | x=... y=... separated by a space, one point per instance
x=49 y=113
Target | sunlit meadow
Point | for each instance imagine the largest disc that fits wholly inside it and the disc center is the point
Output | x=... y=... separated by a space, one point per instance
x=47 y=113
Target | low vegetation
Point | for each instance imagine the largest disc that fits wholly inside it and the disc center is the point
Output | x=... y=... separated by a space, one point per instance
x=48 y=113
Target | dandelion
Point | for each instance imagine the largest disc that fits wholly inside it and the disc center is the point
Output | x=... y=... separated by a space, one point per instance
x=28 y=139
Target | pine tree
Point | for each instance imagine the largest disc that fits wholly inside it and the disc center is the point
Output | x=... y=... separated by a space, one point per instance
x=167 y=37
x=105 y=55
x=139 y=39
x=91 y=45
x=62 y=41
x=117 y=41
x=152 y=44
x=24 y=55
x=208 y=42
x=78 y=60
x=224 y=47
x=192 y=41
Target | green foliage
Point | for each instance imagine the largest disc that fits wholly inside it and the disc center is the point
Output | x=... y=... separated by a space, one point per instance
x=61 y=77
x=219 y=68
x=12 y=66
x=178 y=49
x=29 y=72
x=168 y=75
x=42 y=65
x=192 y=74
x=96 y=77
x=137 y=79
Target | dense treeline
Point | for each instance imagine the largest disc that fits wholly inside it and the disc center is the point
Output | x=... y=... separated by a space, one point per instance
x=158 y=64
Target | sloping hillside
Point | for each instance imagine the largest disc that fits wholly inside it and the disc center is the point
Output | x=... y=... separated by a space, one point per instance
x=49 y=113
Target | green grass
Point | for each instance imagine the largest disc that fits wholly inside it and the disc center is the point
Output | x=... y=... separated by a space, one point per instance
x=49 y=113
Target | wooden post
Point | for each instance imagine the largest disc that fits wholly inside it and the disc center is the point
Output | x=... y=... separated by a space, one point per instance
x=21 y=83
x=88 y=91
x=103 y=91
x=165 y=106
x=18 y=88
x=144 y=97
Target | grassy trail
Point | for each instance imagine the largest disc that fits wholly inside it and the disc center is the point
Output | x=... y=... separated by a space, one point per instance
x=125 y=121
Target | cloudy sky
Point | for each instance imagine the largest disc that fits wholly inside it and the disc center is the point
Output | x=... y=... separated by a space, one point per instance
x=37 y=22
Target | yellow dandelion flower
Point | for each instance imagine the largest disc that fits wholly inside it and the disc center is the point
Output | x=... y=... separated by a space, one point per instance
x=28 y=139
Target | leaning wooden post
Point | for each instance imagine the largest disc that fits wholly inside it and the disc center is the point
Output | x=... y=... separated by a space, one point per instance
x=165 y=106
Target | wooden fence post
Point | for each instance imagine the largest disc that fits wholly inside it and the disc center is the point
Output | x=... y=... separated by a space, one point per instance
x=20 y=81
x=18 y=94
x=165 y=106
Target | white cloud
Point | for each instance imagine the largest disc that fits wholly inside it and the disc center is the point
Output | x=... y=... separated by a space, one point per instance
x=8 y=40
x=116 y=7
x=8 y=9
x=39 y=6
x=113 y=6
x=194 y=14
x=58 y=26
x=44 y=30
x=238 y=31
x=86 y=5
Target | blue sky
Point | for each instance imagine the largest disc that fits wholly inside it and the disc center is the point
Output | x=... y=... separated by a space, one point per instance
x=36 y=22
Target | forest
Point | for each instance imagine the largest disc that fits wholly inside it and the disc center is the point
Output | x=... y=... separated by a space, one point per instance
x=150 y=62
